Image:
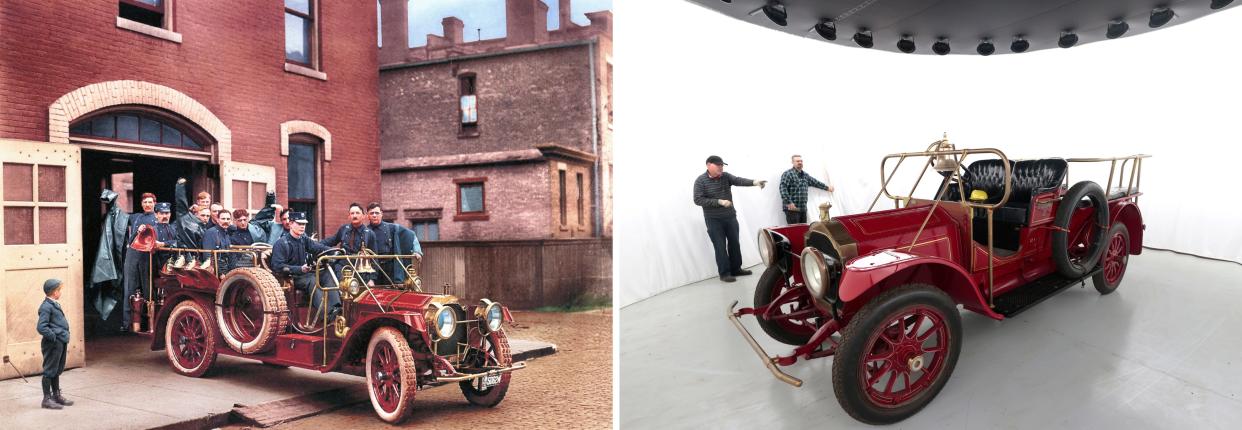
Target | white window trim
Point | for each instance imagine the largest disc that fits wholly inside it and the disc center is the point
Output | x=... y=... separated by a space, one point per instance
x=156 y=32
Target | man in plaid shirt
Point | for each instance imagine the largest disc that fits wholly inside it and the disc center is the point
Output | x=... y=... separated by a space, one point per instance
x=794 y=183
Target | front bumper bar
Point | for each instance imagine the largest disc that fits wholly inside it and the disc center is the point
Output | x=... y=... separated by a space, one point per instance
x=770 y=362
x=470 y=377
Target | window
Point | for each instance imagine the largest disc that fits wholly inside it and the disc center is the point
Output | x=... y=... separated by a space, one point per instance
x=471 y=200
x=469 y=106
x=581 y=205
x=300 y=32
x=303 y=178
x=426 y=229
x=149 y=12
x=564 y=200
x=139 y=127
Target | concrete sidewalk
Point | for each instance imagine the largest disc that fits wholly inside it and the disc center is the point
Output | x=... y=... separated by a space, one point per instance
x=126 y=386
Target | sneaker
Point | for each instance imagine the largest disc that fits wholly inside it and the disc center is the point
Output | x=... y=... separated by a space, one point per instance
x=48 y=403
x=727 y=278
x=742 y=272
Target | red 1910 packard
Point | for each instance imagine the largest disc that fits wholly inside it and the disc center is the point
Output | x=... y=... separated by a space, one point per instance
x=879 y=290
x=398 y=336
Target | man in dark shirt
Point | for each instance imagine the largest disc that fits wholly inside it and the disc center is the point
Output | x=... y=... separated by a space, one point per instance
x=165 y=233
x=713 y=191
x=240 y=234
x=290 y=254
x=385 y=243
x=136 y=262
x=352 y=237
x=191 y=221
x=217 y=238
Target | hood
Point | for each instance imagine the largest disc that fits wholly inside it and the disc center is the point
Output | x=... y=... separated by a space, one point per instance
x=395 y=300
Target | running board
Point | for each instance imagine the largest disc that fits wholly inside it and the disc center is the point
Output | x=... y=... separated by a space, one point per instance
x=1026 y=296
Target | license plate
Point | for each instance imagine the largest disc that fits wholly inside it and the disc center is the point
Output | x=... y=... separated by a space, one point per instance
x=490 y=381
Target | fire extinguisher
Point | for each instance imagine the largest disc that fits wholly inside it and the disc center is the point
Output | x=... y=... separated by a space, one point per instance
x=136 y=305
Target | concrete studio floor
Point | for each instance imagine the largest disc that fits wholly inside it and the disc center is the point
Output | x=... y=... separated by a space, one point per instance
x=1164 y=351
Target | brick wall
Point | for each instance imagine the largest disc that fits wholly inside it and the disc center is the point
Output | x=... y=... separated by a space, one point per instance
x=515 y=199
x=230 y=60
x=526 y=99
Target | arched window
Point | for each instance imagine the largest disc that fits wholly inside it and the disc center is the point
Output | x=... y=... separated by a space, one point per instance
x=135 y=125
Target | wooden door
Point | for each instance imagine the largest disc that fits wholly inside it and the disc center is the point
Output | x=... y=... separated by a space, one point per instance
x=40 y=185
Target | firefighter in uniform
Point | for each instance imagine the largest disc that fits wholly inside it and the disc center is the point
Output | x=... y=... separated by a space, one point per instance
x=290 y=254
x=136 y=262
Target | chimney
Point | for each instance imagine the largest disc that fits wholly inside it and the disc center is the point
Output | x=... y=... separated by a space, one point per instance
x=564 y=13
x=452 y=29
x=395 y=40
x=526 y=22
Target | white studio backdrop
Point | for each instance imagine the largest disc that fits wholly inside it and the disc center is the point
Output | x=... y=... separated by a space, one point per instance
x=695 y=83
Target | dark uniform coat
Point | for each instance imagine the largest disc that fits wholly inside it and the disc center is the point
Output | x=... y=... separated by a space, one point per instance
x=106 y=275
x=54 y=328
x=217 y=238
x=136 y=262
x=189 y=228
x=263 y=225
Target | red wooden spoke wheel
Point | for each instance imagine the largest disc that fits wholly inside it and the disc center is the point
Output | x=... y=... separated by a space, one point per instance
x=189 y=340
x=897 y=353
x=794 y=321
x=492 y=352
x=392 y=377
x=1116 y=256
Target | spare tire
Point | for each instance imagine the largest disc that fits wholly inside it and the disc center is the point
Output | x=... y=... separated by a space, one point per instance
x=1075 y=259
x=250 y=309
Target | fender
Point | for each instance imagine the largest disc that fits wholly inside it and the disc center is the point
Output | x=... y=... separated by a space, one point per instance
x=411 y=323
x=1129 y=214
x=869 y=275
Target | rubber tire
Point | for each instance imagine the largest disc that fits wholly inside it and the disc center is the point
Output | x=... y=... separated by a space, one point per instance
x=1060 y=238
x=408 y=370
x=845 y=364
x=275 y=310
x=494 y=394
x=763 y=294
x=210 y=342
x=1098 y=279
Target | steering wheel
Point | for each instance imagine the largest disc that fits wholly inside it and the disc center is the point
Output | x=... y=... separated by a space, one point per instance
x=326 y=253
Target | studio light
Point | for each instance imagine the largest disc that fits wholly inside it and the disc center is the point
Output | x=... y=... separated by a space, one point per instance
x=906 y=44
x=826 y=29
x=1217 y=4
x=1160 y=16
x=985 y=47
x=776 y=12
x=1117 y=28
x=863 y=38
x=941 y=47
x=1068 y=39
x=1019 y=45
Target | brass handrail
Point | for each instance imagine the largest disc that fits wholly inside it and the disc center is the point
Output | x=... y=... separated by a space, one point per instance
x=1135 y=179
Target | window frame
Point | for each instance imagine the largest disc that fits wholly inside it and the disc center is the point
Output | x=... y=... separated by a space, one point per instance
x=312 y=39
x=303 y=139
x=564 y=197
x=163 y=9
x=465 y=129
x=581 y=198
x=481 y=215
x=182 y=125
x=422 y=234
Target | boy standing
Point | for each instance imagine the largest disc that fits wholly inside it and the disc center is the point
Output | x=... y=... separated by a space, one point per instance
x=55 y=330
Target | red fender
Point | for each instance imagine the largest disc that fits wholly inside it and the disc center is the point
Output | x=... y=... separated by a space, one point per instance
x=871 y=274
x=1128 y=213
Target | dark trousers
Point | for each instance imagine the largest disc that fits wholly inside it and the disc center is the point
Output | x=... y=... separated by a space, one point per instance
x=53 y=364
x=306 y=283
x=723 y=232
x=795 y=217
x=136 y=273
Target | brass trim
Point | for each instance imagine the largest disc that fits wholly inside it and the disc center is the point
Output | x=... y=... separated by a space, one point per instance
x=763 y=356
x=515 y=366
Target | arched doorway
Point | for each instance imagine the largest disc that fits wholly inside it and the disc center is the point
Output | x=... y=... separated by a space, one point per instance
x=131 y=150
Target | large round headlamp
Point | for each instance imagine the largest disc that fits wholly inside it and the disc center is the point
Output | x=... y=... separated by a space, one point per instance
x=443 y=321
x=767 y=247
x=492 y=315
x=814 y=271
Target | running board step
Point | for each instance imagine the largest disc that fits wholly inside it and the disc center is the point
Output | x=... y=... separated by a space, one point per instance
x=1026 y=296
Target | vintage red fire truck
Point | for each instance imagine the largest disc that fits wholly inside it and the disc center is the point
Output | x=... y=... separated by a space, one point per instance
x=396 y=335
x=879 y=290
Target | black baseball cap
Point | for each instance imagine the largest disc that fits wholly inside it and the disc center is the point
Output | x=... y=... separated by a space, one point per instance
x=715 y=159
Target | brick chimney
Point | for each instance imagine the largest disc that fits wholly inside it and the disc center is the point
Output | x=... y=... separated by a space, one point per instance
x=453 y=29
x=526 y=22
x=563 y=11
x=395 y=40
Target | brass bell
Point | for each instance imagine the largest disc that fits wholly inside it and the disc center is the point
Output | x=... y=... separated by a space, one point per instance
x=365 y=265
x=942 y=162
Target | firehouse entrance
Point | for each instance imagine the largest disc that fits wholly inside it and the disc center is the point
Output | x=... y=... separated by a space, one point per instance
x=129 y=175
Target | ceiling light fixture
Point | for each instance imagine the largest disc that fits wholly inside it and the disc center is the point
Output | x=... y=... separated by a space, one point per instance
x=863 y=38
x=906 y=44
x=985 y=47
x=1117 y=28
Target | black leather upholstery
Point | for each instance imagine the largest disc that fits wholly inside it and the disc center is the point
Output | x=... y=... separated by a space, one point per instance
x=1030 y=178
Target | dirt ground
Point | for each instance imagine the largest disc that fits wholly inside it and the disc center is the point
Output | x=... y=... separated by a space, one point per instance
x=571 y=389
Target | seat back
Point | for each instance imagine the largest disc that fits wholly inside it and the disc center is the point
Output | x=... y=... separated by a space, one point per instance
x=1031 y=177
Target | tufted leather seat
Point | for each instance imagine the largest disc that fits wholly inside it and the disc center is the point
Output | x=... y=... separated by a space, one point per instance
x=1030 y=178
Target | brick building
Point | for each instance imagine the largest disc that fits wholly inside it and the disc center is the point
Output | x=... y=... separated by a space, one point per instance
x=502 y=148
x=241 y=97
